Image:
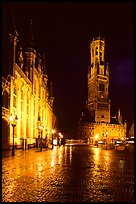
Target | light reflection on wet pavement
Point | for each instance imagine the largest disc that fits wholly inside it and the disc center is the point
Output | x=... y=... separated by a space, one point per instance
x=68 y=174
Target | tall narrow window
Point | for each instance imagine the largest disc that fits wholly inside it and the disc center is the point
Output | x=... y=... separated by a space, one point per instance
x=96 y=52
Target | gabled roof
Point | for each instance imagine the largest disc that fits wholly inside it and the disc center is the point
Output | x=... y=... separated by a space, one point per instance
x=86 y=117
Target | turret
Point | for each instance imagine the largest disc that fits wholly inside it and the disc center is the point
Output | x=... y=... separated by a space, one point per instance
x=39 y=62
x=51 y=93
x=21 y=58
x=30 y=53
x=107 y=69
x=119 y=116
x=13 y=42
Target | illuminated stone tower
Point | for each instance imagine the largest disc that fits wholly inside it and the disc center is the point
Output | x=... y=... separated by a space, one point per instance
x=96 y=124
x=98 y=83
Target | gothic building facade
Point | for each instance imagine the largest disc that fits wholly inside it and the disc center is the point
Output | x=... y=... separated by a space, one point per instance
x=96 y=122
x=26 y=96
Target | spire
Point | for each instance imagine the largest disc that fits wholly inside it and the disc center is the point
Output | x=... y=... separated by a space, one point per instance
x=119 y=113
x=13 y=29
x=21 y=58
x=107 y=66
x=13 y=36
x=51 y=89
x=39 y=60
x=30 y=36
x=107 y=69
x=51 y=94
x=119 y=116
x=44 y=64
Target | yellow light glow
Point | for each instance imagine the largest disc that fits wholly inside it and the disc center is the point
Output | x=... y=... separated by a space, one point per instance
x=11 y=118
x=60 y=159
x=96 y=136
x=55 y=142
x=40 y=127
x=55 y=147
x=71 y=154
x=52 y=163
x=53 y=131
x=60 y=135
x=106 y=132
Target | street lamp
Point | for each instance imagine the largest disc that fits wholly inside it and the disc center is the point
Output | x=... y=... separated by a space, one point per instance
x=53 y=131
x=60 y=138
x=41 y=129
x=13 y=123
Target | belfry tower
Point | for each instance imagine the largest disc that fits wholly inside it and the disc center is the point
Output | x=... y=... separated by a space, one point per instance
x=96 y=124
x=98 y=82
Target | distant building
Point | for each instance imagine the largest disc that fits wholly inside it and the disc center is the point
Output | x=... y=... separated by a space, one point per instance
x=96 y=124
x=131 y=131
x=26 y=94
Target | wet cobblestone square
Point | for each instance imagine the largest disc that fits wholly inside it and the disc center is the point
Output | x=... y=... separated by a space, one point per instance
x=68 y=174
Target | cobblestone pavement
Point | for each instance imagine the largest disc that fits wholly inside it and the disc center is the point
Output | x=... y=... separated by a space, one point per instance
x=68 y=174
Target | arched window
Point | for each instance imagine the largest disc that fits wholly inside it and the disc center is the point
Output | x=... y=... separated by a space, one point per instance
x=96 y=51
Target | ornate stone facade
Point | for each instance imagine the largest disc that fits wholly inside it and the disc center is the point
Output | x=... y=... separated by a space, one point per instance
x=26 y=94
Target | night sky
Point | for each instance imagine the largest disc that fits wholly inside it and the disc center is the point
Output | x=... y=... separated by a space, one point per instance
x=64 y=31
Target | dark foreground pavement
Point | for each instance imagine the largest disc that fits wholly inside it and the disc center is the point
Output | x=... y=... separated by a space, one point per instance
x=68 y=174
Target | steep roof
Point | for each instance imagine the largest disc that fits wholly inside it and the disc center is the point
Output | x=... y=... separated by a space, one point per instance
x=86 y=117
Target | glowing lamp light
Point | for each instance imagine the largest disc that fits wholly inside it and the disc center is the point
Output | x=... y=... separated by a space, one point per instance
x=118 y=142
x=40 y=127
x=53 y=131
x=11 y=118
x=100 y=142
x=13 y=123
x=60 y=135
x=96 y=136
x=54 y=142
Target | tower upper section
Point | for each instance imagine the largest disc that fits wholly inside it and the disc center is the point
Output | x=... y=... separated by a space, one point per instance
x=98 y=82
x=97 y=53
